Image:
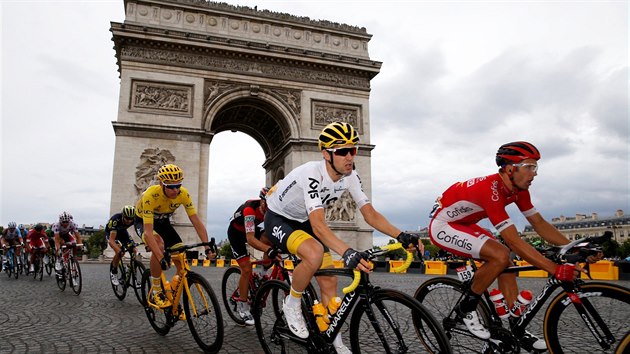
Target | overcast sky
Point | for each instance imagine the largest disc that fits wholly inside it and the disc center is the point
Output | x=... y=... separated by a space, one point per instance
x=458 y=80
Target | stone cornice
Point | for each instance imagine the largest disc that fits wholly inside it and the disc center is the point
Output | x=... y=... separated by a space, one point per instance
x=161 y=132
x=253 y=63
x=237 y=22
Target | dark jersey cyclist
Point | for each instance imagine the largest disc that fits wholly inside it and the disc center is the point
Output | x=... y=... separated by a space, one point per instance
x=117 y=235
x=246 y=228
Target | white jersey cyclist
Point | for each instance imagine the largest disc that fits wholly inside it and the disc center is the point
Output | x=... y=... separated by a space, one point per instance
x=309 y=187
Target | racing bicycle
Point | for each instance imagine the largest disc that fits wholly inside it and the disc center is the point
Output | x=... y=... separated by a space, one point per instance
x=70 y=270
x=11 y=266
x=382 y=320
x=129 y=275
x=585 y=316
x=230 y=283
x=201 y=309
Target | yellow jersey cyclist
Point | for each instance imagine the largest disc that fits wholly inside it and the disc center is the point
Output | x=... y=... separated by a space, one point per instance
x=117 y=235
x=153 y=212
x=295 y=220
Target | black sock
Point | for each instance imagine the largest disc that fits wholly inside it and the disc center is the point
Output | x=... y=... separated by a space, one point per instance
x=469 y=302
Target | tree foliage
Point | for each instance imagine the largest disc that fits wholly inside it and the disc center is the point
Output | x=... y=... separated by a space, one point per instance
x=96 y=244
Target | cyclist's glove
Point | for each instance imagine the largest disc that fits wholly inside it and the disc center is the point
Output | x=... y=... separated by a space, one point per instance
x=272 y=253
x=565 y=272
x=352 y=258
x=407 y=239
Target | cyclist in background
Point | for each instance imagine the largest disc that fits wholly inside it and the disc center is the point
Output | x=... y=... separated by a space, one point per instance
x=245 y=228
x=454 y=228
x=153 y=212
x=296 y=222
x=117 y=235
x=214 y=251
x=11 y=237
x=65 y=230
x=36 y=241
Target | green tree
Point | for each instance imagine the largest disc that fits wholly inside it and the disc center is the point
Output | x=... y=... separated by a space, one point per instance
x=610 y=248
x=97 y=243
x=226 y=251
x=624 y=249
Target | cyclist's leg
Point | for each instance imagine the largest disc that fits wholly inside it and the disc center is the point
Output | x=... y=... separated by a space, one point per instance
x=472 y=241
x=156 y=295
x=289 y=237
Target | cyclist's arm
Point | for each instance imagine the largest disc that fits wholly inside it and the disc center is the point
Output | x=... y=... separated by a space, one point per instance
x=201 y=230
x=526 y=251
x=546 y=230
x=254 y=242
x=378 y=221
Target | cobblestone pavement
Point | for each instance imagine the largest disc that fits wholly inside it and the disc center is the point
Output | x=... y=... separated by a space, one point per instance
x=36 y=317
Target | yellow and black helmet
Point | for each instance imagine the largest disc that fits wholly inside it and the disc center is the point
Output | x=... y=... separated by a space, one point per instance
x=337 y=134
x=129 y=211
x=170 y=174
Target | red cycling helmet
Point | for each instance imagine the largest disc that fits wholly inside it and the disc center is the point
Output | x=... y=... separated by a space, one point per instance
x=515 y=152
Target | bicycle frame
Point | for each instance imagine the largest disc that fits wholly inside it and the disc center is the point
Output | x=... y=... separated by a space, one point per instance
x=580 y=300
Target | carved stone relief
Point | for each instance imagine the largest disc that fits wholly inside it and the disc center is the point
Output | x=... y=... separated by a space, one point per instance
x=243 y=66
x=161 y=98
x=151 y=160
x=328 y=112
x=343 y=209
x=215 y=89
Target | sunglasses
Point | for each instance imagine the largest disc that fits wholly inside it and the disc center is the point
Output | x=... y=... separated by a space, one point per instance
x=173 y=186
x=531 y=167
x=344 y=151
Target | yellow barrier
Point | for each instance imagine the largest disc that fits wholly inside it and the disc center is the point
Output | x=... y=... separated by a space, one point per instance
x=233 y=262
x=396 y=264
x=338 y=263
x=531 y=273
x=194 y=262
x=220 y=263
x=206 y=262
x=435 y=267
x=602 y=270
x=288 y=264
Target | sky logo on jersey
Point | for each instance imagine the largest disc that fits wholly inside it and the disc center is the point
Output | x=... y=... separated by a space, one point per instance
x=277 y=233
x=454 y=240
x=313 y=192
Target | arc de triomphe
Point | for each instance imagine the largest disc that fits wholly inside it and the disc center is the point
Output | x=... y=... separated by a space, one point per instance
x=190 y=69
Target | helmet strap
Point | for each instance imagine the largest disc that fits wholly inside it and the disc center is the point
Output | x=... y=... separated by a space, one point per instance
x=332 y=164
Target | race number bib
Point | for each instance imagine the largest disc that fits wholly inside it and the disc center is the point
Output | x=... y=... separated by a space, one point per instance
x=465 y=273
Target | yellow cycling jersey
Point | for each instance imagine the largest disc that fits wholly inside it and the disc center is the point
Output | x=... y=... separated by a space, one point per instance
x=154 y=204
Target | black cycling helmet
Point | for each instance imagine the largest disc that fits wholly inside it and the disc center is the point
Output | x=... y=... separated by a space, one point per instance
x=263 y=193
x=39 y=227
x=516 y=152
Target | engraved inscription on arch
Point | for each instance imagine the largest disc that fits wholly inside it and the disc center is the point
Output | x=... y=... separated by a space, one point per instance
x=324 y=113
x=161 y=98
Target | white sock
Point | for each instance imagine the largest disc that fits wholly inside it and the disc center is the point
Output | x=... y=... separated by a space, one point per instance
x=337 y=342
x=294 y=301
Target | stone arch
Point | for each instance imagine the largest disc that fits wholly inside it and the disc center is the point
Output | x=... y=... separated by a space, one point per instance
x=191 y=69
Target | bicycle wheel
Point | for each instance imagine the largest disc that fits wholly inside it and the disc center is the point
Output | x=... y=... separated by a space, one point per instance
x=271 y=326
x=624 y=344
x=39 y=267
x=566 y=332
x=76 y=282
x=439 y=296
x=61 y=278
x=388 y=325
x=157 y=317
x=49 y=266
x=136 y=279
x=16 y=267
x=203 y=314
x=120 y=290
x=230 y=293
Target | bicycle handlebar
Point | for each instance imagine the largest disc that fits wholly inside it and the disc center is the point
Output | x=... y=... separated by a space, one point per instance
x=379 y=251
x=577 y=251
